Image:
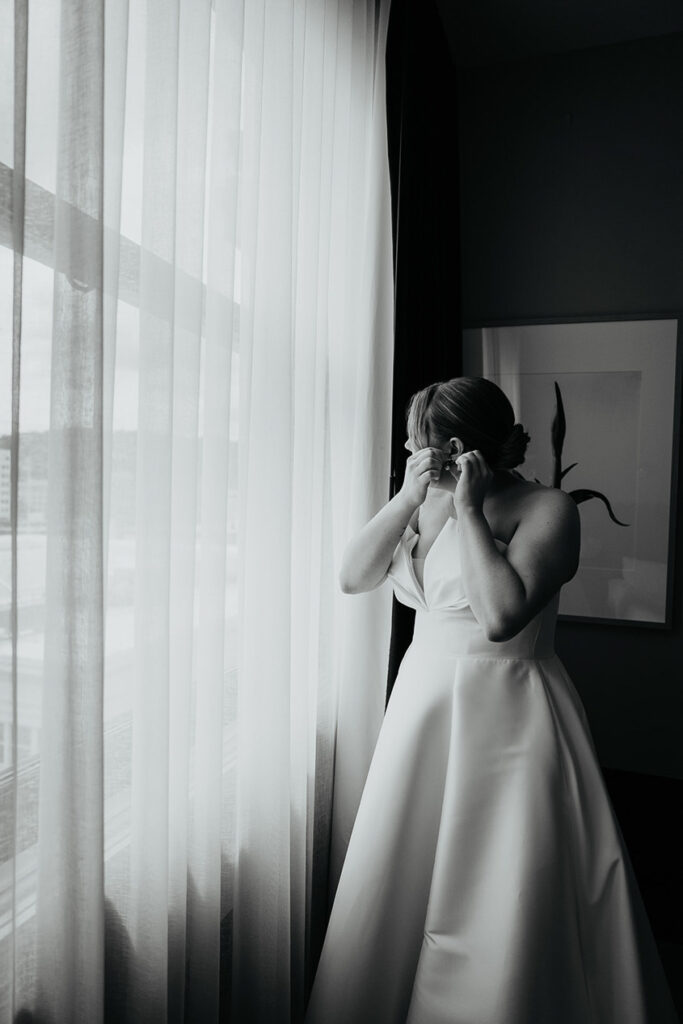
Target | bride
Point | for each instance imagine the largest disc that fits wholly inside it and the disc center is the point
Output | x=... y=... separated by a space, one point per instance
x=486 y=880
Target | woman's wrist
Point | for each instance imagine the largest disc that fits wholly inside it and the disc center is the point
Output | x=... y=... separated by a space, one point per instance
x=405 y=503
x=473 y=512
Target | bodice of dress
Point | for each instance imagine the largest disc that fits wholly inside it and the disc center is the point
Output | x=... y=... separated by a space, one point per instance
x=439 y=600
x=418 y=565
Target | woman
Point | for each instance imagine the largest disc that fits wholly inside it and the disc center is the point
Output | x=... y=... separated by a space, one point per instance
x=486 y=880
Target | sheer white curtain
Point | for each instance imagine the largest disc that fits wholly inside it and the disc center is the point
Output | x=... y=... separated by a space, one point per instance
x=196 y=357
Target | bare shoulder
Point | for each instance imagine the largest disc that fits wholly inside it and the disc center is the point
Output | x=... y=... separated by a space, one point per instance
x=546 y=505
x=548 y=531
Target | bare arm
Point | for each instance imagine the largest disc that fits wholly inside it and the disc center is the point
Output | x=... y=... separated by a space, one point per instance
x=368 y=554
x=506 y=591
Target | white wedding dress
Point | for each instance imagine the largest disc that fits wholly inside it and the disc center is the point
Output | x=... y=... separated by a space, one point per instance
x=486 y=880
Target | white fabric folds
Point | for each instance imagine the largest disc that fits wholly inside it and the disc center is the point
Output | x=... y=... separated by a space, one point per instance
x=486 y=879
x=206 y=351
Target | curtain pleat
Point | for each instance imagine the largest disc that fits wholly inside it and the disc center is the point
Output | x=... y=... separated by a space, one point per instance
x=151 y=798
x=361 y=386
x=186 y=932
x=189 y=703
x=70 y=904
x=262 y=972
x=115 y=70
x=18 y=197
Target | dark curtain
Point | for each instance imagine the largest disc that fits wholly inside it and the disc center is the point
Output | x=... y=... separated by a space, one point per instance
x=422 y=127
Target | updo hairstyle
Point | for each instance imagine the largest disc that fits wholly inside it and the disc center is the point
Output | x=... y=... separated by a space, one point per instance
x=473 y=409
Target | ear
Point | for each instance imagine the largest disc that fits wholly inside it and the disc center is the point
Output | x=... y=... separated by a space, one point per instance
x=457 y=447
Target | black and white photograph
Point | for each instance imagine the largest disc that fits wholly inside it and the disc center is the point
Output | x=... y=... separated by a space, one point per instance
x=341 y=582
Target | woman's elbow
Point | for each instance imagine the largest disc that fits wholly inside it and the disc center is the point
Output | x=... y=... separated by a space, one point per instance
x=346 y=586
x=497 y=636
x=349 y=585
x=499 y=630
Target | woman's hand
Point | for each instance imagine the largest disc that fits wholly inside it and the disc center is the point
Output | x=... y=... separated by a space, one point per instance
x=422 y=468
x=473 y=482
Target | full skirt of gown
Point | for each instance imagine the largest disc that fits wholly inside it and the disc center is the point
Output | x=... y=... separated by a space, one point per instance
x=486 y=880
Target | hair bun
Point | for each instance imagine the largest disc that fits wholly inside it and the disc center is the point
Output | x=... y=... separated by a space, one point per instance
x=511 y=452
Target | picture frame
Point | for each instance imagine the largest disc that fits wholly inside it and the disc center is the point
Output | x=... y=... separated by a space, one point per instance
x=600 y=399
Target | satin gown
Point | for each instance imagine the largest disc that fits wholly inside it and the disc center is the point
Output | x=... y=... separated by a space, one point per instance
x=486 y=880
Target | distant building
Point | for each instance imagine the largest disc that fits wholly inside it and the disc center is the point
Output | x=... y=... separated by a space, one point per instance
x=32 y=503
x=32 y=512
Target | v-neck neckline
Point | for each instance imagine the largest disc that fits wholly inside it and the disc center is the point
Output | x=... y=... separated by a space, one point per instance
x=425 y=558
x=443 y=527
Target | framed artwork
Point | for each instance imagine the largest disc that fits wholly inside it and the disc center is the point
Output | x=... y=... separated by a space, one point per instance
x=601 y=402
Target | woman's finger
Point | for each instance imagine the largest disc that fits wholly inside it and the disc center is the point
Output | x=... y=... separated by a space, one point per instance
x=429 y=457
x=428 y=452
x=475 y=463
x=481 y=461
x=418 y=465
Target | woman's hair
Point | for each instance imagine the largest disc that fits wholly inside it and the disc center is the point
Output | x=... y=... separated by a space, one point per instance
x=473 y=409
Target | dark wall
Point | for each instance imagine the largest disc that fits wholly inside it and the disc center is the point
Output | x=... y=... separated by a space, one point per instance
x=571 y=184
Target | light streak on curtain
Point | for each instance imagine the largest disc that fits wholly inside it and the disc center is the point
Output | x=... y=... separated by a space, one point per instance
x=197 y=285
